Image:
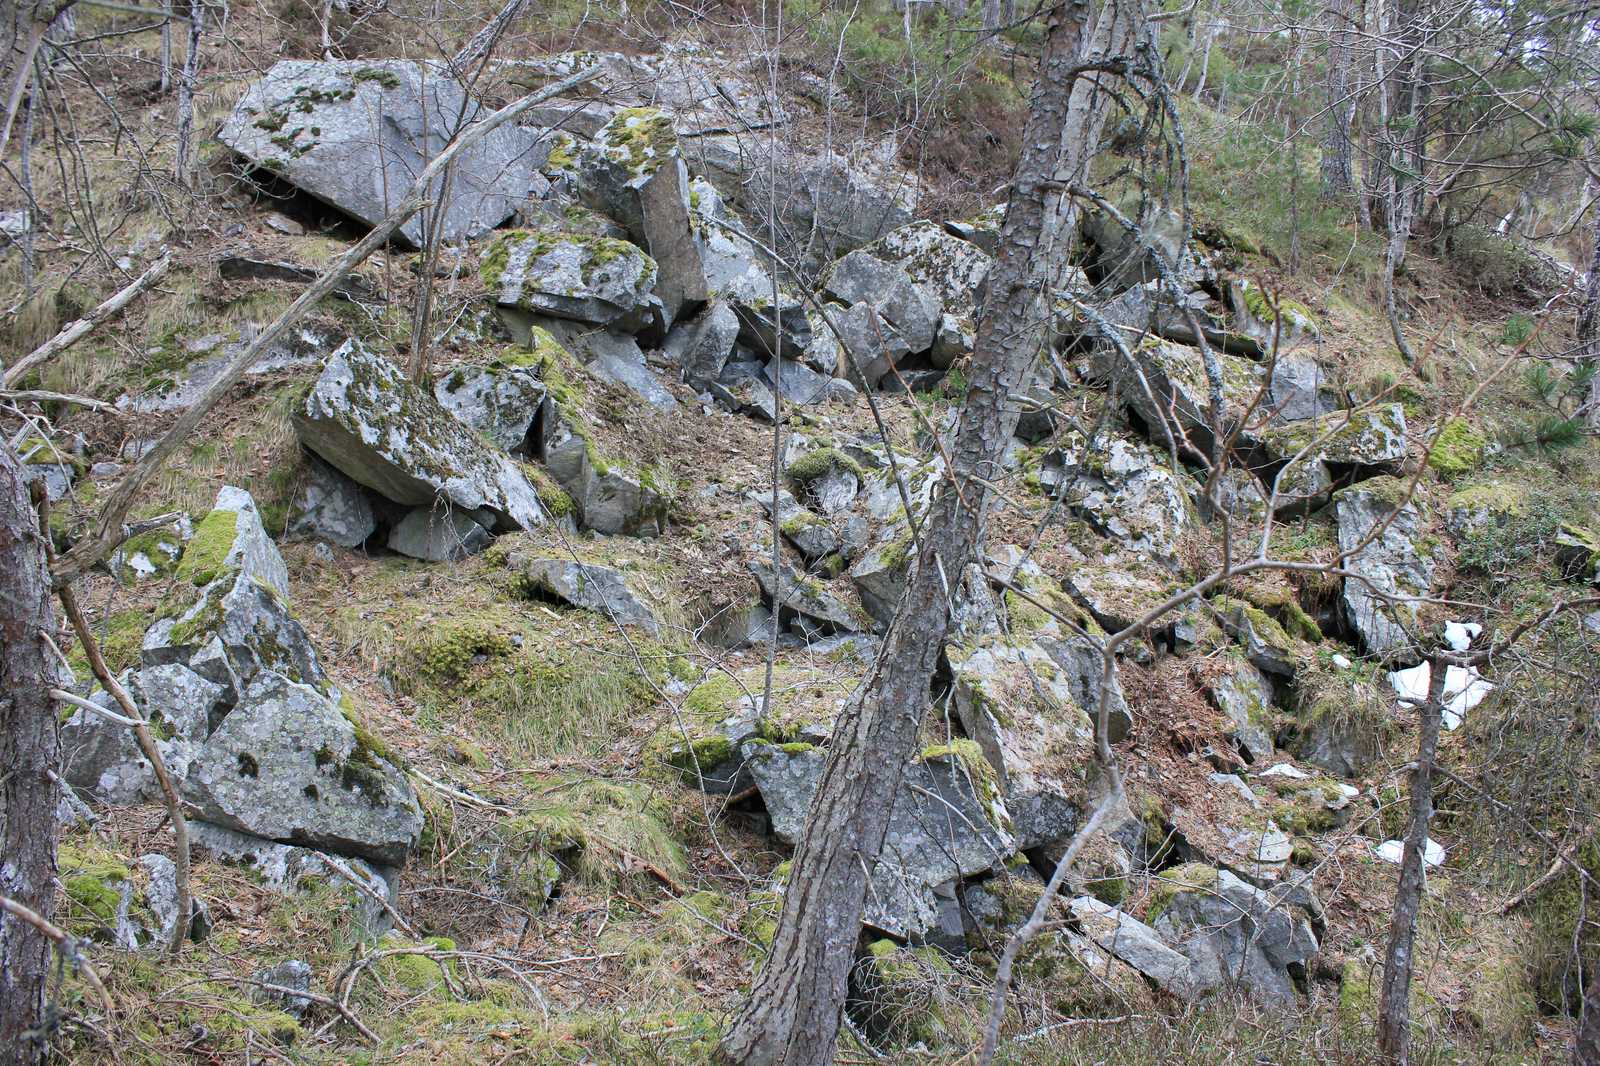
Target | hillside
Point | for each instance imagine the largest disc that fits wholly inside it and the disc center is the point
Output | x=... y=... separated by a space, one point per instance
x=497 y=619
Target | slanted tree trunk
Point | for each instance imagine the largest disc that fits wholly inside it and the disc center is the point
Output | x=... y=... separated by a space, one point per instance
x=29 y=753
x=1394 y=1007
x=793 y=1014
x=1338 y=154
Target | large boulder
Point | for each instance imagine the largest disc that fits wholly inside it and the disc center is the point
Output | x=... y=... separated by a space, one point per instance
x=1165 y=384
x=1370 y=437
x=586 y=585
x=1389 y=576
x=101 y=758
x=356 y=133
x=289 y=765
x=1243 y=694
x=910 y=308
x=701 y=346
x=499 y=400
x=1300 y=389
x=1233 y=933
x=634 y=172
x=803 y=603
x=771 y=320
x=384 y=432
x=1124 y=490
x=330 y=506
x=948 y=822
x=599 y=280
x=1123 y=935
x=438 y=535
x=952 y=269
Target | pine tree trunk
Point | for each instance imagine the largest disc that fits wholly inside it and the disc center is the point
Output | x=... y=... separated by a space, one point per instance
x=1586 y=1048
x=1394 y=1008
x=793 y=1014
x=1338 y=155
x=29 y=752
x=1588 y=331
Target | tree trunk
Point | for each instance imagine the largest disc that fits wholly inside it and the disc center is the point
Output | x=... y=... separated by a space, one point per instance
x=29 y=752
x=1338 y=155
x=1394 y=1008
x=792 y=1015
x=187 y=80
x=1586 y=1048
x=1588 y=331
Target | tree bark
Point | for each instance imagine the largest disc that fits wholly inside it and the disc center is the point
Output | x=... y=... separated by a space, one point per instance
x=1586 y=1048
x=793 y=1014
x=1394 y=1007
x=29 y=753
x=1588 y=331
x=1338 y=155
x=187 y=80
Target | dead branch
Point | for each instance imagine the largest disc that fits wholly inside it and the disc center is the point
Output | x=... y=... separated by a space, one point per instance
x=67 y=944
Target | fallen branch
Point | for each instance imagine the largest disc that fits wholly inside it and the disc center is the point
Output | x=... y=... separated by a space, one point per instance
x=46 y=396
x=366 y=890
x=76 y=331
x=98 y=544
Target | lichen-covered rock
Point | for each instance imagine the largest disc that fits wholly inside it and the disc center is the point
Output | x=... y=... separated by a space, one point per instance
x=1299 y=389
x=873 y=347
x=500 y=400
x=231 y=537
x=882 y=573
x=1278 y=320
x=587 y=585
x=1374 y=436
x=438 y=535
x=1167 y=382
x=952 y=269
x=1391 y=574
x=329 y=506
x=289 y=765
x=1262 y=637
x=1233 y=933
x=1244 y=695
x=102 y=759
x=1125 y=491
x=289 y=869
x=1021 y=712
x=772 y=319
x=1135 y=943
x=910 y=308
x=804 y=603
x=384 y=432
x=151 y=554
x=633 y=171
x=355 y=134
x=809 y=532
x=1123 y=257
x=599 y=280
x=948 y=821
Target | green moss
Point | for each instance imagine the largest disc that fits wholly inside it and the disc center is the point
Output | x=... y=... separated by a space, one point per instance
x=377 y=75
x=1190 y=877
x=206 y=554
x=1392 y=491
x=120 y=640
x=1357 y=1001
x=712 y=700
x=416 y=973
x=602 y=829
x=1457 y=449
x=814 y=464
x=92 y=884
x=985 y=781
x=1294 y=313
x=639 y=139
x=1496 y=498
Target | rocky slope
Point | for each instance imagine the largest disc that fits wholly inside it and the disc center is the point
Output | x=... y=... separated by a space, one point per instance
x=462 y=677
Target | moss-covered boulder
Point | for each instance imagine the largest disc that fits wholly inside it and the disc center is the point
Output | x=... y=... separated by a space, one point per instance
x=1369 y=437
x=367 y=420
x=1167 y=381
x=599 y=280
x=1394 y=568
x=904 y=996
x=289 y=765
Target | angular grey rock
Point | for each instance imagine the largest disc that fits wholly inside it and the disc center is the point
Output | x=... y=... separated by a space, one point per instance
x=438 y=535
x=329 y=506
x=1014 y=704
x=1135 y=943
x=101 y=757
x=702 y=345
x=288 y=869
x=1125 y=491
x=1149 y=309
x=355 y=133
x=232 y=537
x=1167 y=381
x=881 y=574
x=1244 y=695
x=1373 y=436
x=982 y=230
x=599 y=280
x=737 y=274
x=1124 y=258
x=805 y=603
x=808 y=531
x=609 y=497
x=379 y=429
x=746 y=396
x=872 y=346
x=634 y=172
x=287 y=765
x=630 y=372
x=1391 y=574
x=1287 y=325
x=946 y=824
x=1266 y=644
x=586 y=585
x=238 y=628
x=161 y=896
x=1234 y=933
x=291 y=974
x=952 y=341
x=1083 y=673
x=796 y=382
x=953 y=270
x=500 y=400
x=1299 y=389
x=861 y=277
